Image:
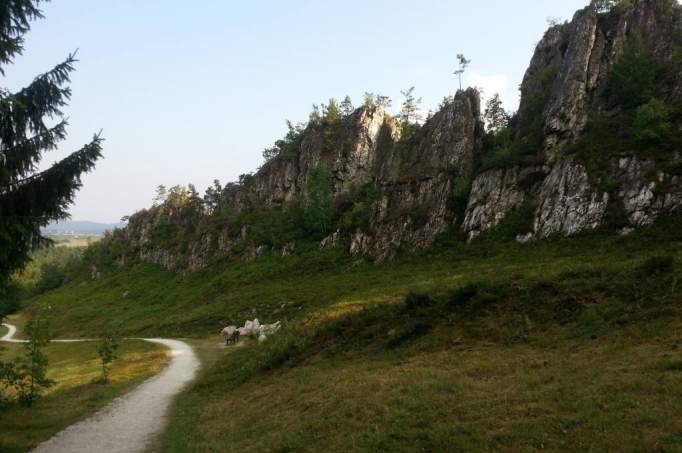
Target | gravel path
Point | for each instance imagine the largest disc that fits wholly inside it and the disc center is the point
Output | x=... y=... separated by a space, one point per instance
x=130 y=422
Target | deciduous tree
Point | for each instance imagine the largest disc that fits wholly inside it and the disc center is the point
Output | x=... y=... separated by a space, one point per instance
x=496 y=117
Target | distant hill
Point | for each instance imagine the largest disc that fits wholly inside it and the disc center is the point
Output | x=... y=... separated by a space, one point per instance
x=80 y=227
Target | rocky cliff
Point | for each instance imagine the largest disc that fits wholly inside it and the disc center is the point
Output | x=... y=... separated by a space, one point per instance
x=445 y=176
x=566 y=196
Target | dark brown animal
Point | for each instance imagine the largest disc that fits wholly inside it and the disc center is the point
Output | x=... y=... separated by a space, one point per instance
x=234 y=338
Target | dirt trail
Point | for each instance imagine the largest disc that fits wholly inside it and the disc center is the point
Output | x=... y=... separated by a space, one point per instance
x=131 y=422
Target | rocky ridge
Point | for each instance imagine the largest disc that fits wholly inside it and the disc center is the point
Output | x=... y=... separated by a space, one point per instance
x=420 y=181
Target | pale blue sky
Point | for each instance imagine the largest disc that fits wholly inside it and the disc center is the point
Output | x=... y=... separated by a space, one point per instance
x=190 y=93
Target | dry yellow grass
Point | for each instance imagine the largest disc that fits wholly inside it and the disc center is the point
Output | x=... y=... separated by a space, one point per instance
x=76 y=369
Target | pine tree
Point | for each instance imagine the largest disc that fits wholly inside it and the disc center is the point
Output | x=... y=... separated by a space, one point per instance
x=463 y=65
x=410 y=110
x=331 y=112
x=30 y=199
x=347 y=106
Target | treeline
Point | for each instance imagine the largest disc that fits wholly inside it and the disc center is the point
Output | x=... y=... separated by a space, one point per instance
x=48 y=269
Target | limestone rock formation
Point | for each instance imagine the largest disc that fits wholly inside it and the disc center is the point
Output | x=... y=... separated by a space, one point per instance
x=432 y=182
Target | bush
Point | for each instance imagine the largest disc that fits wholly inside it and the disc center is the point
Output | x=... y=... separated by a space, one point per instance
x=656 y=266
x=463 y=295
x=415 y=301
x=633 y=78
x=31 y=376
x=652 y=123
x=516 y=223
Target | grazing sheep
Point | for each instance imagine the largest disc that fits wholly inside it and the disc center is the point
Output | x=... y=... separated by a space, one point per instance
x=231 y=334
x=227 y=331
x=251 y=329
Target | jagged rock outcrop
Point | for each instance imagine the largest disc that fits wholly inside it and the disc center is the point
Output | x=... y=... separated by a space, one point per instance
x=569 y=203
x=418 y=178
x=352 y=157
x=593 y=43
x=493 y=195
x=645 y=191
x=578 y=57
x=416 y=205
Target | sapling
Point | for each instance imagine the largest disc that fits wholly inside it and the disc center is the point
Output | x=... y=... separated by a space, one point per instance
x=33 y=366
x=107 y=351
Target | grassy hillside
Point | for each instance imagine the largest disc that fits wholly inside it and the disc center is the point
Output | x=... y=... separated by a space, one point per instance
x=559 y=345
x=148 y=300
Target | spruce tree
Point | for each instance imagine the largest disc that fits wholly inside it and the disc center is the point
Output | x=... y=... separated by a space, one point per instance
x=31 y=123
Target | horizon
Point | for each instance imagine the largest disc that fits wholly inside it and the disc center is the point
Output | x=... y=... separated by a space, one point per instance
x=134 y=88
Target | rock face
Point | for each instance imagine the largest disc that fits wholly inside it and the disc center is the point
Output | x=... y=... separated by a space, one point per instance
x=579 y=56
x=568 y=202
x=418 y=179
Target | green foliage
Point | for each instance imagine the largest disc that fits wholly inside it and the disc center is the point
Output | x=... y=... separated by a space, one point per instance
x=611 y=6
x=28 y=378
x=376 y=100
x=31 y=123
x=331 y=113
x=444 y=339
x=165 y=232
x=461 y=190
x=9 y=302
x=110 y=249
x=288 y=147
x=346 y=106
x=652 y=123
x=318 y=202
x=535 y=93
x=677 y=32
x=107 y=351
x=495 y=116
x=517 y=141
x=415 y=301
x=213 y=198
x=517 y=222
x=409 y=114
x=632 y=81
x=656 y=266
x=351 y=210
x=517 y=152
x=49 y=268
x=463 y=64
x=648 y=132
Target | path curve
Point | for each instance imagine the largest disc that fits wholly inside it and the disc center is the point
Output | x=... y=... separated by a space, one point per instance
x=131 y=422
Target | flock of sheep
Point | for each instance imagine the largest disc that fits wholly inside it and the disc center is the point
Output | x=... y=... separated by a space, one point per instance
x=251 y=329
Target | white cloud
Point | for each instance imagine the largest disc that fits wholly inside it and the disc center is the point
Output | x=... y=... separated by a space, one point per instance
x=494 y=83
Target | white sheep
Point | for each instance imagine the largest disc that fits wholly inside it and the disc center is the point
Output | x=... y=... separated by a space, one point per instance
x=253 y=328
x=228 y=331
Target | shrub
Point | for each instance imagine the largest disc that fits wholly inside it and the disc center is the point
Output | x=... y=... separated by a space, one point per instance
x=32 y=371
x=461 y=190
x=415 y=301
x=656 y=266
x=652 y=123
x=463 y=295
x=517 y=222
x=410 y=332
x=633 y=78
x=107 y=351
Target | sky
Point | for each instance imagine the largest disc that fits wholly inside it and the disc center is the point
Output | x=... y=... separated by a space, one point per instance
x=187 y=94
